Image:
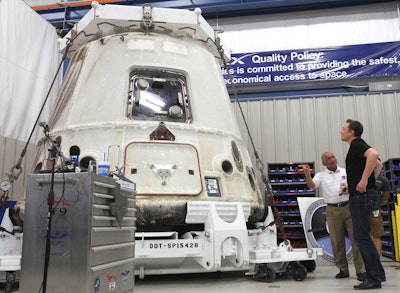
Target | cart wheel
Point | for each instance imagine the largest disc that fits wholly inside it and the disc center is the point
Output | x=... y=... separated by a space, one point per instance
x=310 y=265
x=298 y=271
x=264 y=273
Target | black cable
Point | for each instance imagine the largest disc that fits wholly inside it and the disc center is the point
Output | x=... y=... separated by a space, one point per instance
x=24 y=150
x=269 y=201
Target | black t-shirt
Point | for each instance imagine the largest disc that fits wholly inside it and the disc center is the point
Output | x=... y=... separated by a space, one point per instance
x=355 y=164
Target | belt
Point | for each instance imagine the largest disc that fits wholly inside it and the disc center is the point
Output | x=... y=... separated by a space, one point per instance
x=338 y=205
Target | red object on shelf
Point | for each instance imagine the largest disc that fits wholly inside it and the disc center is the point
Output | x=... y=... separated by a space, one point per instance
x=299 y=245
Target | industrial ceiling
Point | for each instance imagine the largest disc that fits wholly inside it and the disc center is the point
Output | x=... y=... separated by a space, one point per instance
x=63 y=14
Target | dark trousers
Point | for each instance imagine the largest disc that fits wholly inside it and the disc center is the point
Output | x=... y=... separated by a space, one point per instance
x=361 y=206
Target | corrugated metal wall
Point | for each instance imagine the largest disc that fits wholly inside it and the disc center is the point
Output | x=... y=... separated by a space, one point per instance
x=302 y=129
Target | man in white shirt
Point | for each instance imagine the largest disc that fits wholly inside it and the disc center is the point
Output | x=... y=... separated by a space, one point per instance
x=332 y=184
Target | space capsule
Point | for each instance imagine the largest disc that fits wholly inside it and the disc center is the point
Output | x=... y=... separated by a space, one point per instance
x=144 y=93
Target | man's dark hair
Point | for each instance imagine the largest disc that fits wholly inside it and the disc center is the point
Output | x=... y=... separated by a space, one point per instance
x=356 y=126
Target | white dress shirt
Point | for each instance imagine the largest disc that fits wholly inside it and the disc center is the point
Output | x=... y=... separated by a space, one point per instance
x=329 y=184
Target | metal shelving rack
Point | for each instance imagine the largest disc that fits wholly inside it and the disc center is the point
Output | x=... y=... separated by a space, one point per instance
x=392 y=173
x=288 y=183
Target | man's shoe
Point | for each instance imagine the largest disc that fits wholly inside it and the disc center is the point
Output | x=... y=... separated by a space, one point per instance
x=367 y=285
x=342 y=275
x=361 y=277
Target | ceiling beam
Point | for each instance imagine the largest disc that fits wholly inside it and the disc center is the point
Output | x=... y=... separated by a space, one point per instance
x=64 y=13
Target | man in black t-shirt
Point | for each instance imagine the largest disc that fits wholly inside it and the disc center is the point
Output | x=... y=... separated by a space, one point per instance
x=361 y=163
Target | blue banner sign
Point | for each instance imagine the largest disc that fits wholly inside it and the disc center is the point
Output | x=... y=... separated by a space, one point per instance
x=335 y=63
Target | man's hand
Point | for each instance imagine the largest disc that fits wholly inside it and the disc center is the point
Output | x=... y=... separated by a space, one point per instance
x=362 y=186
x=306 y=169
x=307 y=172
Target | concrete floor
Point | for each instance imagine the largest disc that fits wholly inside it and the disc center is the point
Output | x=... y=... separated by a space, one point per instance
x=321 y=280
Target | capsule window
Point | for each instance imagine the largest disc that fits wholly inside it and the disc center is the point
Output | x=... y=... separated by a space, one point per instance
x=227 y=167
x=158 y=95
x=236 y=156
x=86 y=163
x=251 y=178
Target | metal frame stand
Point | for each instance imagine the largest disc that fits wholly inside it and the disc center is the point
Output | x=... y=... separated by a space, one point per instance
x=54 y=152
